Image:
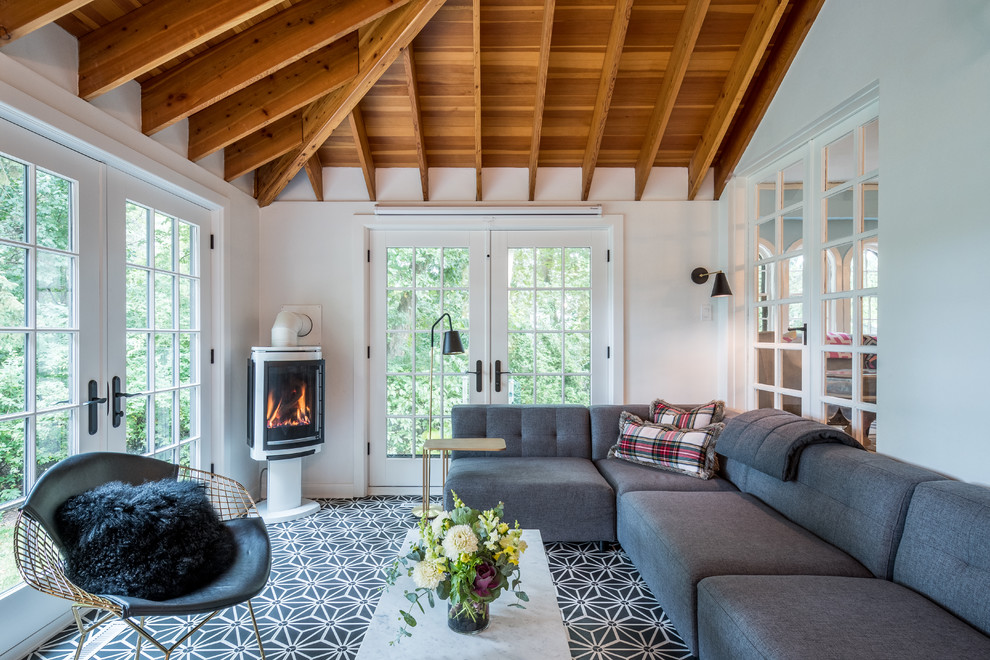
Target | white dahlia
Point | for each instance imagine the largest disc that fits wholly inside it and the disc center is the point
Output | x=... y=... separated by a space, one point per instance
x=427 y=574
x=460 y=540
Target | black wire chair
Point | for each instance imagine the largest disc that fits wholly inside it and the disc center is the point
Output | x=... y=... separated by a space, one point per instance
x=37 y=546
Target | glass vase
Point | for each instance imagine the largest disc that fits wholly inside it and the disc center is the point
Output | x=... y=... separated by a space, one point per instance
x=467 y=618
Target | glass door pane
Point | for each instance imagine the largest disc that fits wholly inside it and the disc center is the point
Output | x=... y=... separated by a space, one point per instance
x=156 y=275
x=417 y=279
x=50 y=339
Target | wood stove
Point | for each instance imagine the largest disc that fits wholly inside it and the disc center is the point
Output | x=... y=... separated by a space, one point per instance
x=285 y=402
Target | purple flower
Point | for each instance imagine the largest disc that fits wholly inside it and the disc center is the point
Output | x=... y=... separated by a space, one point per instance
x=485 y=580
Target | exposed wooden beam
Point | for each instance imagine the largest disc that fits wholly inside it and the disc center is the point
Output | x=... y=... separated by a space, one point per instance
x=380 y=47
x=768 y=14
x=314 y=170
x=360 y=133
x=272 y=98
x=417 y=121
x=789 y=39
x=153 y=34
x=251 y=55
x=476 y=53
x=18 y=18
x=687 y=36
x=606 y=84
x=541 y=94
x=251 y=152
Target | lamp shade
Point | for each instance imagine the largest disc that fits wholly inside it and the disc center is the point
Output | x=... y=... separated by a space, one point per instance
x=452 y=343
x=721 y=288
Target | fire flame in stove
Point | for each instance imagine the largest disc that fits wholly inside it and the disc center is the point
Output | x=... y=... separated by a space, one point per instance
x=291 y=409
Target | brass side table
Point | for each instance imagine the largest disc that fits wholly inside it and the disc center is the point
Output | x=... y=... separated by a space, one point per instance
x=445 y=446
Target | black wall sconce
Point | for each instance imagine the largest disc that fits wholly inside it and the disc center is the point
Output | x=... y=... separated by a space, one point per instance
x=720 y=290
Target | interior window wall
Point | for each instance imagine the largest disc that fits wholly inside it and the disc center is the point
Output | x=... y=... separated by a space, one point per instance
x=814 y=319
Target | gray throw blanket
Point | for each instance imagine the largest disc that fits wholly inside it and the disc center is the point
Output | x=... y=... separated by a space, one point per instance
x=772 y=440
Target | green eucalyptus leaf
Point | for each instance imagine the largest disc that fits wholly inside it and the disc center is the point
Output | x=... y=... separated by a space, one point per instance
x=410 y=621
x=521 y=595
x=411 y=597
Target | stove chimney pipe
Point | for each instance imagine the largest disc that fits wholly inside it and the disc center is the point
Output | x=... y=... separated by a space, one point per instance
x=288 y=327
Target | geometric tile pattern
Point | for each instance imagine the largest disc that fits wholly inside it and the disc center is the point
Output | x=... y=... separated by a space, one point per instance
x=327 y=573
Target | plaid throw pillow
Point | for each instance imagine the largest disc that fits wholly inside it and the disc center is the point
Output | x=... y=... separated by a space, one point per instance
x=662 y=412
x=685 y=451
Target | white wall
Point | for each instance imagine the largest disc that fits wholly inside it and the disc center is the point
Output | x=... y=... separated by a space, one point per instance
x=932 y=61
x=314 y=253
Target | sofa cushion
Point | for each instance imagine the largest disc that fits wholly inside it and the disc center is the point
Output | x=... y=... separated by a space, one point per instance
x=605 y=425
x=689 y=451
x=945 y=550
x=686 y=417
x=528 y=430
x=744 y=616
x=565 y=498
x=625 y=477
x=677 y=539
x=853 y=499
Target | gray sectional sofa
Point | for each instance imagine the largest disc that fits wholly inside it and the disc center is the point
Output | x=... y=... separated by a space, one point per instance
x=814 y=550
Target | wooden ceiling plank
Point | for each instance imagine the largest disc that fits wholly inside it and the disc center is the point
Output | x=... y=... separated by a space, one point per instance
x=790 y=37
x=21 y=18
x=761 y=28
x=687 y=37
x=606 y=85
x=476 y=63
x=251 y=152
x=153 y=34
x=417 y=120
x=314 y=170
x=360 y=133
x=272 y=98
x=380 y=47
x=251 y=55
x=543 y=66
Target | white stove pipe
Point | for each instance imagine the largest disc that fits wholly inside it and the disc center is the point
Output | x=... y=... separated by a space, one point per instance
x=288 y=327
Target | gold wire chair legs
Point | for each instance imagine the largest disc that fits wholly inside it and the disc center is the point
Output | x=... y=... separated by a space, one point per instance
x=143 y=633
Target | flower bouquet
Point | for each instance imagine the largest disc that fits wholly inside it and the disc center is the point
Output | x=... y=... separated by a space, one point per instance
x=468 y=558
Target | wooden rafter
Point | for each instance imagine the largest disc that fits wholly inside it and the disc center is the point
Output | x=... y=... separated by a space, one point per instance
x=790 y=37
x=541 y=94
x=153 y=34
x=314 y=170
x=20 y=18
x=476 y=48
x=768 y=14
x=687 y=36
x=606 y=84
x=380 y=47
x=263 y=146
x=417 y=121
x=272 y=98
x=356 y=120
x=251 y=55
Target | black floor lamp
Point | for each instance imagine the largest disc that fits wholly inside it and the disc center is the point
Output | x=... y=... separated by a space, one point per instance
x=451 y=346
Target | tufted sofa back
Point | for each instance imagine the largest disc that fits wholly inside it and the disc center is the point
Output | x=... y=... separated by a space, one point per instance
x=563 y=431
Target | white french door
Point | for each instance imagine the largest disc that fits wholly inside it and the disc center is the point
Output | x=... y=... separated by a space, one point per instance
x=157 y=295
x=532 y=310
x=102 y=277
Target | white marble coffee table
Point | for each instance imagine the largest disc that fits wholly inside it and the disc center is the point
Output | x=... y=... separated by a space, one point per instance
x=536 y=632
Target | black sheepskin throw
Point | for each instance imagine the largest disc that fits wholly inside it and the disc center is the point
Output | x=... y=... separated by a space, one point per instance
x=159 y=540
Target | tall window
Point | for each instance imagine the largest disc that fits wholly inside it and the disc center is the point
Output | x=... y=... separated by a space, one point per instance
x=814 y=319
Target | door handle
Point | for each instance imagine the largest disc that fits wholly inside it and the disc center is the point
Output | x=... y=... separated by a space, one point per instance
x=498 y=375
x=477 y=375
x=804 y=332
x=94 y=402
x=118 y=395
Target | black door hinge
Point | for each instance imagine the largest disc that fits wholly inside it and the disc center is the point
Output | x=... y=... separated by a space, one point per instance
x=608 y=256
x=369 y=256
x=608 y=352
x=369 y=352
x=211 y=356
x=369 y=449
x=212 y=243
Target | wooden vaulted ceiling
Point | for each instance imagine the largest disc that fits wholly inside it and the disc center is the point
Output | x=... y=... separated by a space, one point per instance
x=283 y=86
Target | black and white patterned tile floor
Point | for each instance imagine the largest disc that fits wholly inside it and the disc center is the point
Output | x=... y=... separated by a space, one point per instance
x=327 y=573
